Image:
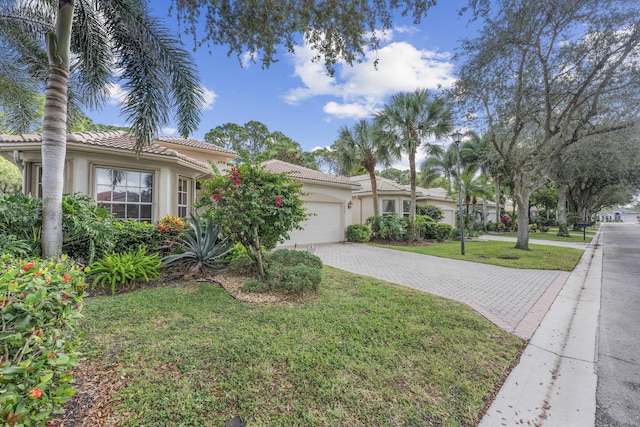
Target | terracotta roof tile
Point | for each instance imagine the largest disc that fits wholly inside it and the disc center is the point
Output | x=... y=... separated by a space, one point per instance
x=278 y=166
x=116 y=139
x=195 y=143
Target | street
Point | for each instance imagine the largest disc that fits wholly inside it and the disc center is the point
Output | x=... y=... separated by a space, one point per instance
x=618 y=350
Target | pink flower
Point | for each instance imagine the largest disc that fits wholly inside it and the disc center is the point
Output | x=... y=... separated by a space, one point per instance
x=216 y=197
x=65 y=278
x=279 y=202
x=238 y=181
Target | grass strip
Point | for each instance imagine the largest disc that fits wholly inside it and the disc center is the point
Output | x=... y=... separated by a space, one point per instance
x=539 y=257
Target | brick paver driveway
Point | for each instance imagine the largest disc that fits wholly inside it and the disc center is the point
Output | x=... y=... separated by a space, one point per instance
x=514 y=299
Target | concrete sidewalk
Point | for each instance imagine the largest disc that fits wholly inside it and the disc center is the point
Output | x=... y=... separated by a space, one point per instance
x=554 y=384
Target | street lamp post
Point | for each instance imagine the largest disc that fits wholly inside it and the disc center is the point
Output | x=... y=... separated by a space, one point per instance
x=457 y=138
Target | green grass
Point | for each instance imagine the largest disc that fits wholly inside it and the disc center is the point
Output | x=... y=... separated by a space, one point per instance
x=361 y=353
x=576 y=236
x=539 y=257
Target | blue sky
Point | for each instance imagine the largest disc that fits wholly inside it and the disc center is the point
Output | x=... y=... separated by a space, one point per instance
x=296 y=97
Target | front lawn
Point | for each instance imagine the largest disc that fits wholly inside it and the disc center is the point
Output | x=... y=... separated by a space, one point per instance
x=539 y=257
x=361 y=352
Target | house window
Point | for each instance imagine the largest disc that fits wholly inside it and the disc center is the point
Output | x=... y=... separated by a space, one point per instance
x=126 y=194
x=184 y=186
x=388 y=206
x=406 y=208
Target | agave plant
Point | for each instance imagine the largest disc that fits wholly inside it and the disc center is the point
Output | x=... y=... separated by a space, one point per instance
x=200 y=245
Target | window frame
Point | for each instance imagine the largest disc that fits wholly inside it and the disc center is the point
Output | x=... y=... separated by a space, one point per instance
x=141 y=191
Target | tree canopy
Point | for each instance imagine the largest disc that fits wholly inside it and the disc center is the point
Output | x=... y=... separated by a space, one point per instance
x=337 y=30
x=543 y=76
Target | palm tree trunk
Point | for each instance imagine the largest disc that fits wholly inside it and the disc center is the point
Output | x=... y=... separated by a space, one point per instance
x=54 y=130
x=412 y=232
x=374 y=191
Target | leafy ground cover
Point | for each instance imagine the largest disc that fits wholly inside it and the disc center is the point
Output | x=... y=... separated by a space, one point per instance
x=359 y=352
x=539 y=257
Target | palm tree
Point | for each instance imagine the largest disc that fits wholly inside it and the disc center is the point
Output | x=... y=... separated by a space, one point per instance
x=77 y=46
x=478 y=154
x=407 y=122
x=357 y=147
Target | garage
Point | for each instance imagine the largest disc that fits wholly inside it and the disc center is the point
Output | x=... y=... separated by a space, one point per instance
x=326 y=225
x=327 y=197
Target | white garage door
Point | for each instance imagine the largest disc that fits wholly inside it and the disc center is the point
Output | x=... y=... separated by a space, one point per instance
x=324 y=227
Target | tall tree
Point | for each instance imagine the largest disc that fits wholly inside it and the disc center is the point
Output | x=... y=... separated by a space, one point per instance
x=82 y=42
x=254 y=143
x=407 y=123
x=358 y=147
x=540 y=75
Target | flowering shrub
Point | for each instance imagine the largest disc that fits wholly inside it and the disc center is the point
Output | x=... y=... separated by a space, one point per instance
x=40 y=303
x=255 y=207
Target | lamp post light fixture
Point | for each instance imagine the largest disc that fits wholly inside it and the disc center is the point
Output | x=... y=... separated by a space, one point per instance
x=457 y=138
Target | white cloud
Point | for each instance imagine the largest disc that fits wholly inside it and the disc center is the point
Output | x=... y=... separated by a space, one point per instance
x=347 y=110
x=116 y=94
x=362 y=89
x=168 y=131
x=247 y=59
x=209 y=98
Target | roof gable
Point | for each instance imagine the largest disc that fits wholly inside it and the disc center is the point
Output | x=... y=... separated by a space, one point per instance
x=306 y=174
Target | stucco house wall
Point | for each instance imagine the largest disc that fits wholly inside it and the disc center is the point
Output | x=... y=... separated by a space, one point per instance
x=397 y=196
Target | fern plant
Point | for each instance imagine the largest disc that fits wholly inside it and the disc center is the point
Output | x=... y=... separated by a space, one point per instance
x=200 y=246
x=124 y=269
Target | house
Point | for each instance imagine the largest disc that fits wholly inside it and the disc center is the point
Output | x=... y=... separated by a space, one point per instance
x=327 y=198
x=396 y=198
x=159 y=181
x=163 y=179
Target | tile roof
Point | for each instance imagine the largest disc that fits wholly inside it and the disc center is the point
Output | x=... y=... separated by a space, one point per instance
x=123 y=141
x=195 y=143
x=385 y=185
x=306 y=174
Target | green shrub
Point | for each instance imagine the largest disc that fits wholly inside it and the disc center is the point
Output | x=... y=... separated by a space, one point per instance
x=443 y=231
x=290 y=258
x=12 y=245
x=432 y=211
x=88 y=230
x=242 y=265
x=387 y=227
x=131 y=234
x=122 y=270
x=21 y=216
x=358 y=233
x=41 y=304
x=533 y=228
x=288 y=271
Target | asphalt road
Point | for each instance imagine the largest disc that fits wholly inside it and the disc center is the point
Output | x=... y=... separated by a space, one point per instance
x=618 y=390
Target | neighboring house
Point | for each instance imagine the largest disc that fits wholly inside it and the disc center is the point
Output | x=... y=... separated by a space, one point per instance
x=619 y=215
x=396 y=198
x=159 y=181
x=327 y=198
